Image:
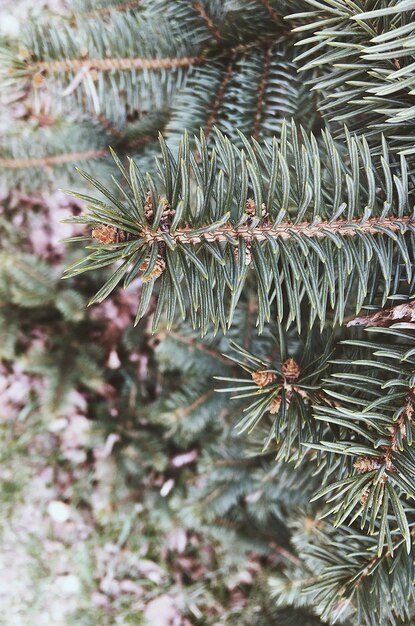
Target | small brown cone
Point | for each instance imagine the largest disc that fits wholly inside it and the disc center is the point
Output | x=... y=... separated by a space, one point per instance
x=38 y=80
x=263 y=378
x=148 y=207
x=364 y=464
x=250 y=207
x=275 y=405
x=291 y=369
x=109 y=234
x=157 y=271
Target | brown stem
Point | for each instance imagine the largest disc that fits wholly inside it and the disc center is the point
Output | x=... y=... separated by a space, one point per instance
x=198 y=345
x=184 y=412
x=219 y=99
x=285 y=230
x=209 y=22
x=272 y=12
x=139 y=141
x=107 y=65
x=49 y=161
x=137 y=63
x=364 y=465
x=108 y=126
x=261 y=92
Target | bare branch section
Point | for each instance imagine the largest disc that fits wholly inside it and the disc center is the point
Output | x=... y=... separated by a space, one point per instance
x=285 y=230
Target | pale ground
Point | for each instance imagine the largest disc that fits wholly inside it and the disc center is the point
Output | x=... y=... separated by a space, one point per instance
x=39 y=582
x=32 y=591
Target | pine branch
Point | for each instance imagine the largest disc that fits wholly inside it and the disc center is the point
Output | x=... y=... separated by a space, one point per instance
x=367 y=62
x=37 y=158
x=342 y=578
x=376 y=410
x=262 y=87
x=282 y=394
x=49 y=161
x=75 y=68
x=264 y=79
x=198 y=6
x=305 y=239
x=112 y=64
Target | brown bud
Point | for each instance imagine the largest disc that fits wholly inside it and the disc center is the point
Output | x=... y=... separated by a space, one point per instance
x=23 y=53
x=250 y=207
x=364 y=464
x=38 y=80
x=275 y=405
x=108 y=234
x=248 y=253
x=148 y=207
x=262 y=378
x=409 y=407
x=167 y=216
x=290 y=369
x=364 y=496
x=157 y=270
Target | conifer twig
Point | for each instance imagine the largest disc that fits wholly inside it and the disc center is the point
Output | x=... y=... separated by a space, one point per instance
x=261 y=92
x=55 y=159
x=182 y=412
x=285 y=230
x=111 y=64
x=198 y=6
x=211 y=121
x=272 y=12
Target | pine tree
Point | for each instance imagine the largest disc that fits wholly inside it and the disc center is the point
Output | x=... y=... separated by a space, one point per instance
x=271 y=230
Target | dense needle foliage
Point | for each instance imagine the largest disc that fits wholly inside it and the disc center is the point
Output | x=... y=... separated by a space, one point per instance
x=258 y=204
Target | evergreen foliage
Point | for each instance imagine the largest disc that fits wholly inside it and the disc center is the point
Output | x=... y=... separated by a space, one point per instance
x=323 y=240
x=366 y=54
x=279 y=206
x=51 y=151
